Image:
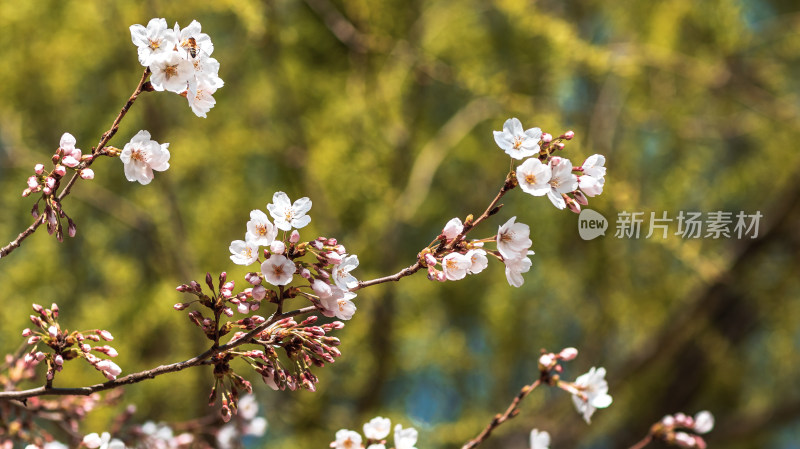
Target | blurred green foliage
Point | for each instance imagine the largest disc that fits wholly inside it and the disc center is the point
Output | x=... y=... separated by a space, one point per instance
x=381 y=113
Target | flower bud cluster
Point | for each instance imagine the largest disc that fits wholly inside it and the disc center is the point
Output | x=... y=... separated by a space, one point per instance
x=544 y=174
x=66 y=345
x=66 y=157
x=305 y=345
x=180 y=61
x=683 y=430
x=376 y=431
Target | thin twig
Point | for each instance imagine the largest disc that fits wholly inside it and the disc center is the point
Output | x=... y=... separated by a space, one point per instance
x=644 y=442
x=511 y=411
x=96 y=151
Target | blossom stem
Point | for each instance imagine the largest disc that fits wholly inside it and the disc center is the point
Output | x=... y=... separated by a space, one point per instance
x=644 y=442
x=511 y=411
x=96 y=151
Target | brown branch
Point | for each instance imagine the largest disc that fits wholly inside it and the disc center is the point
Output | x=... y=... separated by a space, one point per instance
x=151 y=373
x=644 y=442
x=96 y=151
x=511 y=411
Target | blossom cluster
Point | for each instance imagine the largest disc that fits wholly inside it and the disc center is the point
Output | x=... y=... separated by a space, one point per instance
x=683 y=430
x=66 y=157
x=550 y=175
x=180 y=61
x=375 y=433
x=460 y=258
x=589 y=391
x=66 y=345
x=329 y=282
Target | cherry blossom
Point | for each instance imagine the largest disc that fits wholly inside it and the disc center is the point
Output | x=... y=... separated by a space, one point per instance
x=405 y=438
x=377 y=428
x=191 y=40
x=513 y=239
x=455 y=266
x=515 y=142
x=104 y=441
x=173 y=73
x=703 y=422
x=593 y=178
x=341 y=273
x=452 y=228
x=594 y=386
x=514 y=269
x=141 y=156
x=201 y=100
x=244 y=252
x=478 y=261
x=540 y=440
x=153 y=41
x=278 y=270
x=288 y=215
x=260 y=230
x=562 y=181
x=534 y=177
x=347 y=439
x=335 y=301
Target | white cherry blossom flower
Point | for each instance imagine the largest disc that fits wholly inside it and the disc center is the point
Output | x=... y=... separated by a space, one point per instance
x=260 y=230
x=171 y=72
x=478 y=261
x=534 y=177
x=378 y=428
x=405 y=438
x=452 y=228
x=256 y=427
x=347 y=439
x=288 y=215
x=590 y=185
x=703 y=422
x=67 y=145
x=540 y=440
x=244 y=252
x=247 y=407
x=278 y=270
x=513 y=239
x=192 y=41
x=109 y=369
x=561 y=181
x=514 y=269
x=335 y=301
x=153 y=41
x=594 y=166
x=515 y=142
x=206 y=71
x=142 y=155
x=592 y=384
x=104 y=441
x=455 y=266
x=376 y=446
x=341 y=273
x=201 y=100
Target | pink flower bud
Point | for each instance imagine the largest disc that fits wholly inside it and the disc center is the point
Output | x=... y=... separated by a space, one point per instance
x=277 y=247
x=50 y=182
x=70 y=162
x=668 y=421
x=85 y=347
x=38 y=168
x=547 y=138
x=46 y=191
x=580 y=198
x=228 y=311
x=316 y=244
x=568 y=135
x=33 y=340
x=430 y=260
x=259 y=292
x=105 y=335
x=87 y=173
x=243 y=307
x=58 y=359
x=305 y=273
x=683 y=439
x=294 y=237
x=72 y=229
x=546 y=361
x=573 y=205
x=180 y=306
x=559 y=145
x=332 y=242
x=568 y=354
x=39 y=355
x=333 y=257
x=52 y=331
x=33 y=182
x=27 y=332
x=440 y=276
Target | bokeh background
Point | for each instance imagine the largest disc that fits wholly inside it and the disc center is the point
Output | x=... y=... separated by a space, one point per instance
x=382 y=113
